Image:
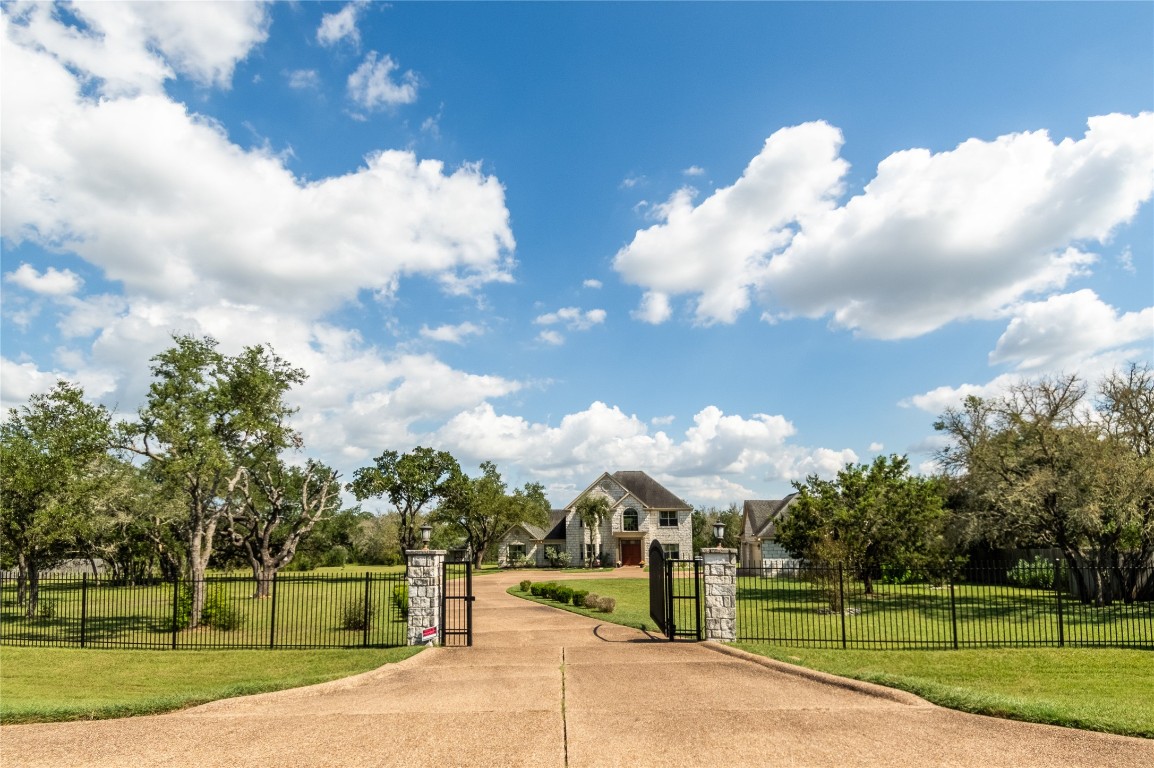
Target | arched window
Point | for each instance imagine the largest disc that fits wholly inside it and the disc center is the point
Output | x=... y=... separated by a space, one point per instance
x=629 y=520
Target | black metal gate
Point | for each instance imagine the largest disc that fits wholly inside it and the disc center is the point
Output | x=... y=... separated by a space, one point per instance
x=675 y=595
x=457 y=604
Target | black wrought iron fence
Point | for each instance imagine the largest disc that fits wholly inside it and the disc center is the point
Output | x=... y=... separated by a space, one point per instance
x=1039 y=603
x=299 y=611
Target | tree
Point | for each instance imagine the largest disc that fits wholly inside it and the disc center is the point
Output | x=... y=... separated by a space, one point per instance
x=480 y=509
x=132 y=529
x=277 y=507
x=410 y=481
x=48 y=451
x=869 y=516
x=703 y=520
x=207 y=420
x=1042 y=464
x=592 y=510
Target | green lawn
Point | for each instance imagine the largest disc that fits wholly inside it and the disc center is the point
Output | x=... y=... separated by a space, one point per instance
x=632 y=596
x=52 y=684
x=1098 y=689
x=1104 y=689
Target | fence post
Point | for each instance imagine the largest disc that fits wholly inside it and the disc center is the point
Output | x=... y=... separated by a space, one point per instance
x=83 y=610
x=720 y=567
x=368 y=577
x=272 y=618
x=841 y=601
x=953 y=613
x=1058 y=598
x=423 y=581
x=175 y=607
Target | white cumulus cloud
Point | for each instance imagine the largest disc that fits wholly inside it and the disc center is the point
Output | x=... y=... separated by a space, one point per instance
x=372 y=85
x=933 y=238
x=52 y=282
x=453 y=334
x=341 y=25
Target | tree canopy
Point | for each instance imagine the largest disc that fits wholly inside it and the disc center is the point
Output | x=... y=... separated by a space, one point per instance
x=870 y=515
x=481 y=509
x=1047 y=464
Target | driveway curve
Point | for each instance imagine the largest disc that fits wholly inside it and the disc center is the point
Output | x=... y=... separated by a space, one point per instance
x=542 y=687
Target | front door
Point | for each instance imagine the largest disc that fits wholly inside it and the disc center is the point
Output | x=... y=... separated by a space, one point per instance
x=630 y=552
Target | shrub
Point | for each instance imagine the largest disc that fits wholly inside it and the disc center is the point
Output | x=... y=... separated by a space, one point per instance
x=579 y=597
x=897 y=574
x=563 y=594
x=524 y=585
x=591 y=600
x=549 y=590
x=401 y=599
x=524 y=561
x=354 y=615
x=46 y=608
x=220 y=612
x=607 y=605
x=337 y=557
x=1038 y=574
x=536 y=590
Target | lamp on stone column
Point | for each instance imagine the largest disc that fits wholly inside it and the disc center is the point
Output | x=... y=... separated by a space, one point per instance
x=426 y=532
x=719 y=531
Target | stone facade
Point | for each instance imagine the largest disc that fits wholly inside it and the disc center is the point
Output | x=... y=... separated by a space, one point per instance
x=720 y=566
x=424 y=584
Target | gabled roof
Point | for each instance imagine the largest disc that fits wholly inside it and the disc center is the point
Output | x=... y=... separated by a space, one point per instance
x=651 y=493
x=554 y=529
x=760 y=515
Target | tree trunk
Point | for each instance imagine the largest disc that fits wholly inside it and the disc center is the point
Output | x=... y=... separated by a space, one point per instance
x=263 y=574
x=21 y=579
x=33 y=587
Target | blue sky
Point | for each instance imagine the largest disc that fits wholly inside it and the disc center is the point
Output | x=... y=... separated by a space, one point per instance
x=727 y=244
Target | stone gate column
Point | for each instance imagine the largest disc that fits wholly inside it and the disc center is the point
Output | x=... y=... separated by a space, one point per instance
x=424 y=584
x=720 y=566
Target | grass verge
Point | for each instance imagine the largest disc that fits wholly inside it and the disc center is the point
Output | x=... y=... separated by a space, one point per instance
x=1097 y=689
x=54 y=684
x=632 y=596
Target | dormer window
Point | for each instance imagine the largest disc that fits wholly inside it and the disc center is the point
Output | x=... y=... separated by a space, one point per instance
x=629 y=520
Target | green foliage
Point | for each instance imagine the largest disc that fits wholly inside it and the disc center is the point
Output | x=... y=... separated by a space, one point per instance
x=1047 y=463
x=46 y=608
x=1038 y=574
x=401 y=599
x=524 y=585
x=703 y=520
x=563 y=595
x=336 y=557
x=558 y=558
x=579 y=597
x=869 y=515
x=48 y=450
x=481 y=510
x=409 y=481
x=592 y=510
x=220 y=611
x=354 y=614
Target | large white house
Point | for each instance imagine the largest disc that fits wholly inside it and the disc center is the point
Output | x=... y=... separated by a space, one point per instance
x=641 y=511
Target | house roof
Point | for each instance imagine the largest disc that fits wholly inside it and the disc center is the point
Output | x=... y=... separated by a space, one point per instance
x=761 y=515
x=650 y=492
x=554 y=529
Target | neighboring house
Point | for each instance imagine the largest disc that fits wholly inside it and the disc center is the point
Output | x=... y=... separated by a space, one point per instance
x=641 y=511
x=759 y=547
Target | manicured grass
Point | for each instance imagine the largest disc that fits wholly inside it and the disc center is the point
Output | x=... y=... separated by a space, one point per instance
x=1099 y=689
x=632 y=596
x=53 y=684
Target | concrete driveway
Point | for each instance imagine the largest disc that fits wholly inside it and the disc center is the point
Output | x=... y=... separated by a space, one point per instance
x=542 y=687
